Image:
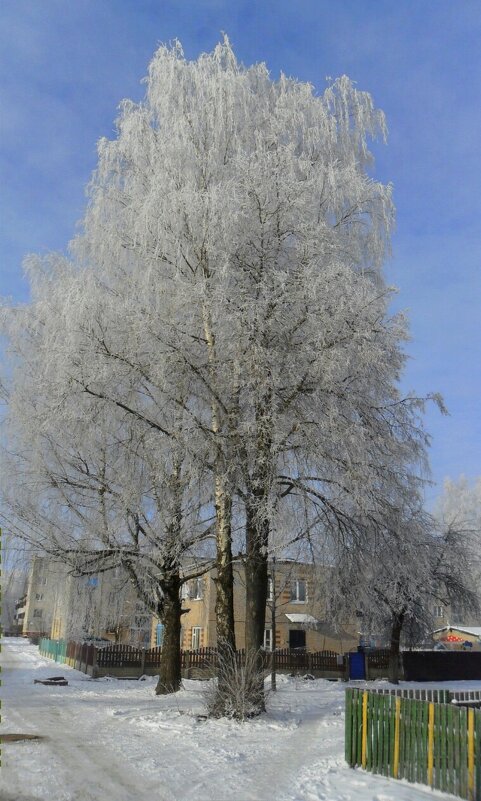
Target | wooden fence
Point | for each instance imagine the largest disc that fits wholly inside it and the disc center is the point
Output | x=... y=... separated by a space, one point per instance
x=436 y=744
x=442 y=665
x=378 y=659
x=119 y=659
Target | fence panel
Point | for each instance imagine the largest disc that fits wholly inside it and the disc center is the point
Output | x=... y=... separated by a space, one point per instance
x=287 y=659
x=201 y=658
x=153 y=657
x=115 y=656
x=418 y=740
x=378 y=659
x=324 y=660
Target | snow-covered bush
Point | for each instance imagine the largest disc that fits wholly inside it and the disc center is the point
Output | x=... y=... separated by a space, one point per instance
x=238 y=689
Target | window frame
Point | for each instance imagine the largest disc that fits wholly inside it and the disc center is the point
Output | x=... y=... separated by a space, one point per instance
x=295 y=585
x=197 y=636
x=197 y=587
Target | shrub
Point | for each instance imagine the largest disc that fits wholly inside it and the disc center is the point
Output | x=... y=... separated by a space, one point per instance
x=238 y=689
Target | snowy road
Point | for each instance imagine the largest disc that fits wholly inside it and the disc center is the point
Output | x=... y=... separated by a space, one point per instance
x=115 y=741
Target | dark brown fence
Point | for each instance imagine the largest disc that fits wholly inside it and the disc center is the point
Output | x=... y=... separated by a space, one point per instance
x=379 y=659
x=153 y=657
x=326 y=660
x=441 y=665
x=127 y=660
x=119 y=656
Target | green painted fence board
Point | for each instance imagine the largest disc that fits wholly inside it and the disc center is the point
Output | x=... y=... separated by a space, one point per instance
x=359 y=728
x=463 y=774
x=392 y=724
x=443 y=765
x=348 y=725
x=450 y=750
x=387 y=735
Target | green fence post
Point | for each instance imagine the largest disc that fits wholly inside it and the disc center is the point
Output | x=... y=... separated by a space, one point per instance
x=443 y=733
x=359 y=727
x=451 y=766
x=387 y=714
x=463 y=737
x=348 y=727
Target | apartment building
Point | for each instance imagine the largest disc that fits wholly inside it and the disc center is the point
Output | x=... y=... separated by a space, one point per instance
x=294 y=608
x=65 y=606
x=45 y=581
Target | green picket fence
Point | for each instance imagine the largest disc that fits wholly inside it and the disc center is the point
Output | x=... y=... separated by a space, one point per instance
x=422 y=741
x=54 y=649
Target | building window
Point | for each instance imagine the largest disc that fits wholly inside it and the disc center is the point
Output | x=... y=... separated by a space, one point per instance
x=37 y=613
x=197 y=589
x=44 y=581
x=270 y=589
x=193 y=590
x=458 y=611
x=196 y=637
x=39 y=596
x=439 y=611
x=268 y=639
x=298 y=591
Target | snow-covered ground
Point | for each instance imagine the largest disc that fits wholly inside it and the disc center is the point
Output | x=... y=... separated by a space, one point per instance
x=111 y=740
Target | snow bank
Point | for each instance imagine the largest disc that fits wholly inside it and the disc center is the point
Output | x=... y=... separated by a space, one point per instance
x=112 y=740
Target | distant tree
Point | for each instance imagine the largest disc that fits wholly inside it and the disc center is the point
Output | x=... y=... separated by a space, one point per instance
x=393 y=584
x=458 y=515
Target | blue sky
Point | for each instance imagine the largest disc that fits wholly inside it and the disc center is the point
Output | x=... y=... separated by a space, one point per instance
x=66 y=64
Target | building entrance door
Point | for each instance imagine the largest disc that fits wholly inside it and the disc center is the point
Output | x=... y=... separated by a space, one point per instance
x=297 y=638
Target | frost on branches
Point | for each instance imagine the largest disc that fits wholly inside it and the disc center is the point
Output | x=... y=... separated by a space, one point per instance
x=218 y=343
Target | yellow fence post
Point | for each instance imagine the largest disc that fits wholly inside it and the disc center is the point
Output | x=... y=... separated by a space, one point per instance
x=471 y=754
x=397 y=733
x=430 y=743
x=364 y=730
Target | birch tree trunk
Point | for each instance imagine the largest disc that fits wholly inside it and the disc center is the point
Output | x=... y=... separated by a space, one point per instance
x=224 y=605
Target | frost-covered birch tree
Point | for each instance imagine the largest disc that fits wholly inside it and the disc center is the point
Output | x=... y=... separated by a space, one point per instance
x=92 y=482
x=250 y=200
x=229 y=275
